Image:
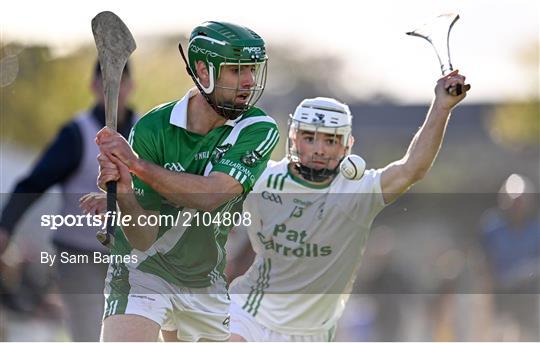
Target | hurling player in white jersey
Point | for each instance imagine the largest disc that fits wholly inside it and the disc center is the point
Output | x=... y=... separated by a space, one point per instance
x=310 y=224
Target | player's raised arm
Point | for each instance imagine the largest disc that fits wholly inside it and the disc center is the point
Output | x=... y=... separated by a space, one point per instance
x=400 y=175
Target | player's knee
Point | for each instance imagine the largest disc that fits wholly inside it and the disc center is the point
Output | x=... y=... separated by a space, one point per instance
x=129 y=327
x=237 y=338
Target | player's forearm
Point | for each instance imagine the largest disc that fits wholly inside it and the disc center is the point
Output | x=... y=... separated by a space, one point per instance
x=183 y=189
x=426 y=143
x=140 y=237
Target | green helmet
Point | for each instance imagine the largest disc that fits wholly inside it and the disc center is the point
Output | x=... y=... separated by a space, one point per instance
x=218 y=44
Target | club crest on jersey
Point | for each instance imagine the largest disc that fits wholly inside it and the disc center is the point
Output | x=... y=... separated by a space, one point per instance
x=251 y=158
x=218 y=153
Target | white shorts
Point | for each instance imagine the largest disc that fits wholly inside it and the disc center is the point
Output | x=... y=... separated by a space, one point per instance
x=197 y=313
x=243 y=324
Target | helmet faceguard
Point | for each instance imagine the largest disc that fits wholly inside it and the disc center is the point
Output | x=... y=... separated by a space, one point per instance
x=220 y=45
x=320 y=116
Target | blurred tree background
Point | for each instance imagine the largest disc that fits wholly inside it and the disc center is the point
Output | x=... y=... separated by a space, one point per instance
x=516 y=125
x=41 y=89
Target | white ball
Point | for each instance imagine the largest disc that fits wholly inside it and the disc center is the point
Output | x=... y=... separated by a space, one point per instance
x=353 y=167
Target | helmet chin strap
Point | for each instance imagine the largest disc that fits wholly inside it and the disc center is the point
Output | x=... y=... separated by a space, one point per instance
x=315 y=175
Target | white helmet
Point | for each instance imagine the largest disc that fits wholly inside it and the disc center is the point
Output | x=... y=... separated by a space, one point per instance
x=324 y=115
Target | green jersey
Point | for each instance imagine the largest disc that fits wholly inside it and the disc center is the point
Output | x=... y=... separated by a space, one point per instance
x=189 y=250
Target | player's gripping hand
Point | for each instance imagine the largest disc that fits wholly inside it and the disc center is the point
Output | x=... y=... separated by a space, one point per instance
x=445 y=100
x=111 y=143
x=112 y=169
x=93 y=203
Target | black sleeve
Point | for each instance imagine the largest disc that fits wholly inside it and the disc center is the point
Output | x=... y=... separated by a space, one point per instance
x=58 y=161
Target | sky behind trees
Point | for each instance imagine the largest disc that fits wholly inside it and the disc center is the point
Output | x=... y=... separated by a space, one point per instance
x=486 y=43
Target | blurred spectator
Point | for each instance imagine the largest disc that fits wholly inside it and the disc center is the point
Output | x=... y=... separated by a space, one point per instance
x=70 y=160
x=510 y=236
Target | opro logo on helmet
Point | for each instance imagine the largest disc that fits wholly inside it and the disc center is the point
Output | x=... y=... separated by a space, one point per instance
x=252 y=49
x=255 y=51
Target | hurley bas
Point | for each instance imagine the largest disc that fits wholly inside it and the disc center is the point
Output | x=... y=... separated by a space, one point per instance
x=96 y=257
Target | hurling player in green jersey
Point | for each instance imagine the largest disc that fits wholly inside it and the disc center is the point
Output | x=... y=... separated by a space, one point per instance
x=193 y=160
